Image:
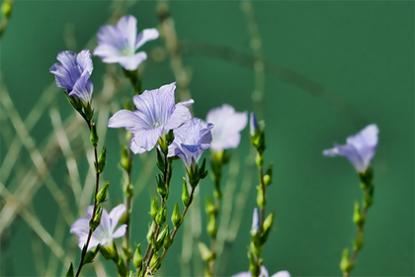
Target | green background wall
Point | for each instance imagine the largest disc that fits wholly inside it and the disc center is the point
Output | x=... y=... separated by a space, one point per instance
x=360 y=52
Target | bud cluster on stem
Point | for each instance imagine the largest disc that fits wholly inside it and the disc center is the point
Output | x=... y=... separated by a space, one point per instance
x=262 y=223
x=86 y=111
x=212 y=208
x=349 y=256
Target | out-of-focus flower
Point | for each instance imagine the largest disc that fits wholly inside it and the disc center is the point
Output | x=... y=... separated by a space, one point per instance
x=228 y=125
x=255 y=221
x=72 y=73
x=263 y=273
x=359 y=149
x=156 y=114
x=190 y=140
x=105 y=232
x=253 y=124
x=119 y=43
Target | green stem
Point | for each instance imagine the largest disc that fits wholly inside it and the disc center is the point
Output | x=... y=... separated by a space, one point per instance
x=360 y=216
x=97 y=176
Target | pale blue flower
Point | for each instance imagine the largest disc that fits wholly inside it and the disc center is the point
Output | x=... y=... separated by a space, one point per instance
x=255 y=221
x=156 y=114
x=106 y=231
x=253 y=124
x=119 y=43
x=72 y=73
x=227 y=127
x=359 y=149
x=190 y=140
x=263 y=273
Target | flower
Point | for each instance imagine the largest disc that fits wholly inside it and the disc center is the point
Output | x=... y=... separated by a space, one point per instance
x=156 y=114
x=263 y=273
x=106 y=231
x=228 y=125
x=119 y=43
x=359 y=149
x=190 y=140
x=253 y=124
x=255 y=221
x=72 y=73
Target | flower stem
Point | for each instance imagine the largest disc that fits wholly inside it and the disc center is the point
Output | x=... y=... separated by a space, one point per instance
x=359 y=218
x=91 y=126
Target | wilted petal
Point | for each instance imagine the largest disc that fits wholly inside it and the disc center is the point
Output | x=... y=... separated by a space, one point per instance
x=255 y=221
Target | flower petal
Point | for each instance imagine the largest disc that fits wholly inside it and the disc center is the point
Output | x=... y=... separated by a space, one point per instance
x=120 y=231
x=116 y=214
x=127 y=27
x=145 y=36
x=145 y=140
x=282 y=273
x=132 y=62
x=127 y=119
x=180 y=115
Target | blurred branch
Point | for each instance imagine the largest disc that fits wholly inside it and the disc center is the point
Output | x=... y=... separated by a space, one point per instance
x=168 y=33
x=258 y=60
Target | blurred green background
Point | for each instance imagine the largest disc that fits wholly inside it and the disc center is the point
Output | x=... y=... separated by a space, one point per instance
x=359 y=58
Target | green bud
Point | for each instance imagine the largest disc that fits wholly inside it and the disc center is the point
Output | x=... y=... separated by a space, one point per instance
x=161 y=216
x=162 y=236
x=108 y=251
x=260 y=199
x=161 y=187
x=267 y=179
x=167 y=240
x=70 y=273
x=176 y=217
x=160 y=160
x=269 y=220
x=210 y=207
x=138 y=257
x=259 y=160
x=93 y=136
x=155 y=262
x=254 y=249
x=94 y=222
x=102 y=193
x=345 y=263
x=206 y=254
x=358 y=243
x=101 y=160
x=185 y=194
x=211 y=227
x=150 y=232
x=358 y=217
x=125 y=161
x=154 y=207
x=6 y=9
x=90 y=255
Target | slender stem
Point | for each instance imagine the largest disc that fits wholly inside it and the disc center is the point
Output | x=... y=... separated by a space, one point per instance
x=176 y=228
x=128 y=205
x=97 y=175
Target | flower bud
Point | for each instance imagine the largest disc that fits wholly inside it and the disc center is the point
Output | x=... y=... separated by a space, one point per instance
x=161 y=216
x=345 y=263
x=101 y=160
x=358 y=217
x=260 y=199
x=176 y=217
x=210 y=207
x=211 y=227
x=267 y=179
x=153 y=208
x=93 y=136
x=206 y=254
x=94 y=222
x=137 y=258
x=90 y=255
x=108 y=251
x=185 y=194
x=125 y=161
x=102 y=193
